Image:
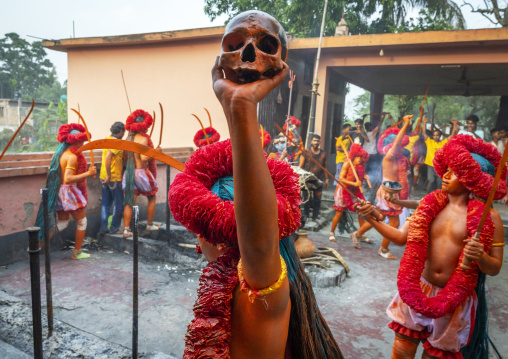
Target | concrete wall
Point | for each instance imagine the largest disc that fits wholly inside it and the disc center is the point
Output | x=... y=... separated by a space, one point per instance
x=20 y=200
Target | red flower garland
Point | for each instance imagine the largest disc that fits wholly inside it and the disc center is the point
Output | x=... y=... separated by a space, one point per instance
x=461 y=283
x=65 y=135
x=265 y=138
x=456 y=154
x=392 y=131
x=209 y=333
x=202 y=212
x=357 y=151
x=131 y=125
x=199 y=137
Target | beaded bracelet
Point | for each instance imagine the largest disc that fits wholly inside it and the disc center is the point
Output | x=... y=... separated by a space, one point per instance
x=261 y=293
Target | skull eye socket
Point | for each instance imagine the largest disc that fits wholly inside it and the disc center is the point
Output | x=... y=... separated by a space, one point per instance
x=269 y=45
x=232 y=42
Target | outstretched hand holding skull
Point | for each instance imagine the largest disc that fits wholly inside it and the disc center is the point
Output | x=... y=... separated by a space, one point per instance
x=234 y=97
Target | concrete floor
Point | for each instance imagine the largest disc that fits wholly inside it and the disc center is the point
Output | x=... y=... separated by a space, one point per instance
x=96 y=296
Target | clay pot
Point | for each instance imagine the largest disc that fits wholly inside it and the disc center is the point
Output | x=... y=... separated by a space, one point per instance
x=304 y=246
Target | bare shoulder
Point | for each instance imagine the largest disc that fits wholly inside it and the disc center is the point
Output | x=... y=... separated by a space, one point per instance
x=498 y=223
x=141 y=139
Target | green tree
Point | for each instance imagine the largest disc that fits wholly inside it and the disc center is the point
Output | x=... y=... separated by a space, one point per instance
x=302 y=18
x=24 y=67
x=46 y=124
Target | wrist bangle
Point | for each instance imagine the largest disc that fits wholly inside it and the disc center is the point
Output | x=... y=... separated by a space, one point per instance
x=498 y=244
x=261 y=293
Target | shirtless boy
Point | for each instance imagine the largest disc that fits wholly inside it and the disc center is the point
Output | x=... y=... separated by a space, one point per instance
x=67 y=184
x=395 y=167
x=440 y=230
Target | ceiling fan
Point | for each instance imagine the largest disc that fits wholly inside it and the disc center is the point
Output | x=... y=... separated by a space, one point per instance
x=464 y=85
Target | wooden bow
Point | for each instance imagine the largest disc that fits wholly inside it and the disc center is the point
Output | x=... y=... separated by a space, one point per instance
x=19 y=128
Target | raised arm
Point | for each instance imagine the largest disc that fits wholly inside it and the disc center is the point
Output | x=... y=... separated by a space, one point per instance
x=400 y=136
x=425 y=136
x=381 y=120
x=255 y=202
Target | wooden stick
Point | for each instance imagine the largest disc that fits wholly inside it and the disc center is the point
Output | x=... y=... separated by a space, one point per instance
x=162 y=124
x=466 y=262
x=203 y=128
x=87 y=135
x=126 y=94
x=17 y=131
x=153 y=124
x=79 y=110
x=351 y=164
x=209 y=117
x=378 y=216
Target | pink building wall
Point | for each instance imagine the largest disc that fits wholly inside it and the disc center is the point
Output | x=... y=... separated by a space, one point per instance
x=176 y=74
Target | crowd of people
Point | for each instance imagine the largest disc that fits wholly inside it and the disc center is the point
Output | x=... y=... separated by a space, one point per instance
x=254 y=298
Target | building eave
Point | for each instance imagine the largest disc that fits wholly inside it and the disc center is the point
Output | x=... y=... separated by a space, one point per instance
x=65 y=45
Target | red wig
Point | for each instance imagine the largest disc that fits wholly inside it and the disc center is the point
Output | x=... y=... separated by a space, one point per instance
x=200 y=140
x=383 y=147
x=457 y=154
x=65 y=135
x=357 y=151
x=132 y=125
x=265 y=137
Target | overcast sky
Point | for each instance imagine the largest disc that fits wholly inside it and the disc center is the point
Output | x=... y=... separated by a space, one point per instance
x=53 y=19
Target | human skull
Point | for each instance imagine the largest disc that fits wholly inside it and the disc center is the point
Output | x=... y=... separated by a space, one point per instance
x=254 y=47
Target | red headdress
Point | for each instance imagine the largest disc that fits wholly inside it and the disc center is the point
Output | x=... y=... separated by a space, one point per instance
x=143 y=125
x=457 y=154
x=204 y=213
x=212 y=134
x=385 y=143
x=265 y=137
x=65 y=133
x=357 y=151
x=292 y=121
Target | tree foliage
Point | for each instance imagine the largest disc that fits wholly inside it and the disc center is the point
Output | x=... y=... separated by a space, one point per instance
x=492 y=10
x=24 y=67
x=302 y=18
x=438 y=109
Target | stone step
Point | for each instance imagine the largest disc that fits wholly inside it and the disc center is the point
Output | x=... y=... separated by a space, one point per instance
x=9 y=352
x=179 y=247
